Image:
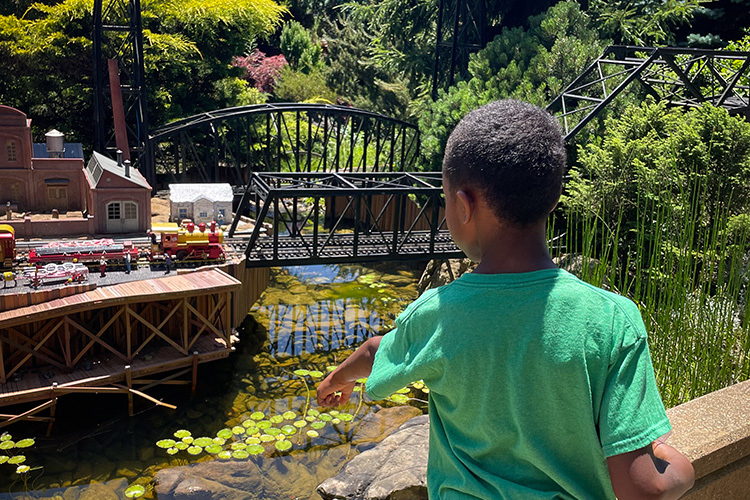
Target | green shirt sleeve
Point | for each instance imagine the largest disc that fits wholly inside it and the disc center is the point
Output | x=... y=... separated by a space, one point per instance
x=406 y=354
x=632 y=413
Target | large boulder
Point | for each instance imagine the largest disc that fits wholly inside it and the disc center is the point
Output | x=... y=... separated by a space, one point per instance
x=395 y=469
x=441 y=272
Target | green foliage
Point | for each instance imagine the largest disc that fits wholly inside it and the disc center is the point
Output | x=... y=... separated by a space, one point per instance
x=298 y=86
x=645 y=23
x=298 y=47
x=533 y=65
x=188 y=48
x=670 y=156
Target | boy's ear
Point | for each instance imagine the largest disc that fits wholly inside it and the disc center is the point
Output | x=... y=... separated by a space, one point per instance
x=465 y=205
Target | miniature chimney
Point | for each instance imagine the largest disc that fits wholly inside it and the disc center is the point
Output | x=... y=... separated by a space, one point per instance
x=127 y=168
x=55 y=143
x=119 y=158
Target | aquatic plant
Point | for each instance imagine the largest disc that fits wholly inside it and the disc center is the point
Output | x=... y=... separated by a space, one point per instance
x=7 y=445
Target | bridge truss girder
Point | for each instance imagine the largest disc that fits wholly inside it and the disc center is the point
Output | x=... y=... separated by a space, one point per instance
x=226 y=145
x=378 y=220
x=681 y=76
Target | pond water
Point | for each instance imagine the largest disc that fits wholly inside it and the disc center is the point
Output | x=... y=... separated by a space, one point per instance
x=309 y=319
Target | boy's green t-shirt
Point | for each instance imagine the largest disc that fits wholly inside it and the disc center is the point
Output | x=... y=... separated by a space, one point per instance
x=535 y=378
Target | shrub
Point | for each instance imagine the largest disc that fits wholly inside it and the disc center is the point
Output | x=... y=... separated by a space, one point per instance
x=261 y=71
x=297 y=86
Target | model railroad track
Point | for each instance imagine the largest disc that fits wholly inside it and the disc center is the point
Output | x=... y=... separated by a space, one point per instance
x=285 y=250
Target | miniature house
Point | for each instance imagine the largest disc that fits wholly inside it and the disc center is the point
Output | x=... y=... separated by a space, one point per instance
x=38 y=177
x=201 y=202
x=120 y=197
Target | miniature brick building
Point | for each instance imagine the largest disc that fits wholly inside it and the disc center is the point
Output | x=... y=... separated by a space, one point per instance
x=35 y=178
x=120 y=197
x=201 y=202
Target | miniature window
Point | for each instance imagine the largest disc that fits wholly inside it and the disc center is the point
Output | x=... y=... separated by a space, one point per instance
x=113 y=210
x=204 y=215
x=131 y=210
x=11 y=150
x=183 y=213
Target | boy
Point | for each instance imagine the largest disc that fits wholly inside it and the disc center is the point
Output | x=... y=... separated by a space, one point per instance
x=541 y=386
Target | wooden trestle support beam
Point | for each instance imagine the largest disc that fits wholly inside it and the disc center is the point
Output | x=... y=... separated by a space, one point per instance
x=111 y=347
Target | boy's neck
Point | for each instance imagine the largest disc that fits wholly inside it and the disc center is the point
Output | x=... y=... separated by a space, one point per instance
x=514 y=250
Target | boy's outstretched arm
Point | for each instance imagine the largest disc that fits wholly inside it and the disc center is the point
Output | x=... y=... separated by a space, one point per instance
x=342 y=379
x=654 y=472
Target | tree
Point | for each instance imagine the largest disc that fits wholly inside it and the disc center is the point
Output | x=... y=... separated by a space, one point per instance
x=188 y=45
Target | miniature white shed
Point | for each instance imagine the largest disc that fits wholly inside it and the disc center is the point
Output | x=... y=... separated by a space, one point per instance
x=201 y=202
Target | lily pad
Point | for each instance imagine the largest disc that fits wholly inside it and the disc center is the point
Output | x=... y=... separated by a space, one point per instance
x=316 y=373
x=333 y=412
x=283 y=445
x=264 y=424
x=181 y=445
x=255 y=449
x=188 y=439
x=362 y=380
x=252 y=440
x=203 y=442
x=346 y=417
x=182 y=433
x=329 y=369
x=5 y=437
x=219 y=441
x=276 y=419
x=134 y=491
x=25 y=443
x=3 y=458
x=248 y=423
x=357 y=388
x=238 y=446
x=252 y=430
x=18 y=459
x=22 y=469
x=289 y=415
x=312 y=434
x=240 y=454
x=313 y=412
x=289 y=430
x=325 y=417
x=165 y=443
x=224 y=455
x=213 y=449
x=195 y=450
x=267 y=438
x=399 y=398
x=258 y=415
x=273 y=431
x=7 y=445
x=224 y=433
x=336 y=421
x=310 y=418
x=318 y=425
x=302 y=372
x=173 y=451
x=403 y=390
x=300 y=423
x=238 y=429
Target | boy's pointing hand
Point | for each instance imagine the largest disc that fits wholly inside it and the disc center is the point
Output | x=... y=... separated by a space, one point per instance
x=334 y=393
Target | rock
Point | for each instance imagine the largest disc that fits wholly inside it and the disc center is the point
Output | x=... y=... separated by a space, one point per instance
x=441 y=272
x=374 y=427
x=71 y=494
x=395 y=469
x=103 y=491
x=166 y=480
x=194 y=488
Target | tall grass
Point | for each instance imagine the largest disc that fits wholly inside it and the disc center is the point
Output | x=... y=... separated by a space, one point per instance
x=688 y=274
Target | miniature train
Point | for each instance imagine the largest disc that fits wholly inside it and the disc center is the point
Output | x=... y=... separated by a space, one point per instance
x=185 y=242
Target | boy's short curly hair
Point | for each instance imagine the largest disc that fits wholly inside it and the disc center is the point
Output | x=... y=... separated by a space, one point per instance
x=511 y=152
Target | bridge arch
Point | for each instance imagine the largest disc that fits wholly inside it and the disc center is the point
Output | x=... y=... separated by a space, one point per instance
x=228 y=145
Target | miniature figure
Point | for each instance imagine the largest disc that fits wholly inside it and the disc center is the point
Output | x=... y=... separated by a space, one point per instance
x=103 y=265
x=167 y=262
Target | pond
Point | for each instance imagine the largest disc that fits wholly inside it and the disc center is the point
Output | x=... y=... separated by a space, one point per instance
x=309 y=319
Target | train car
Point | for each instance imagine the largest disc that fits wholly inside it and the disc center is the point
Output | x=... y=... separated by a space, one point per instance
x=7 y=246
x=84 y=251
x=187 y=241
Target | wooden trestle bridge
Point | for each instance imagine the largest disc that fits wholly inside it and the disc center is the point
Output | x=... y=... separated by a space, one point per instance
x=340 y=186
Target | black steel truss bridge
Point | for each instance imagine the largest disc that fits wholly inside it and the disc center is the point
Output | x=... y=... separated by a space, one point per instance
x=680 y=76
x=327 y=217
